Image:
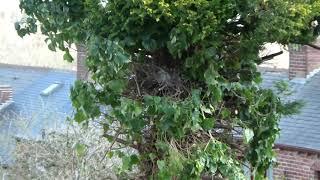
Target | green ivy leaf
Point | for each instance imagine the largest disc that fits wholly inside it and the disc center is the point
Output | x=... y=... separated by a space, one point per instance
x=110 y=154
x=210 y=76
x=123 y=58
x=161 y=164
x=80 y=116
x=129 y=161
x=22 y=32
x=116 y=86
x=225 y=113
x=208 y=123
x=80 y=149
x=248 y=135
x=126 y=163
x=134 y=159
x=67 y=56
x=17 y=26
x=52 y=47
x=217 y=93
x=196 y=97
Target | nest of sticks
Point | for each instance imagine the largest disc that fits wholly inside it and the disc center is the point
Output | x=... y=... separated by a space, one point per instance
x=152 y=79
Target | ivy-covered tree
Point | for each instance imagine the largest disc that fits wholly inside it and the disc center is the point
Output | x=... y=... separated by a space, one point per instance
x=180 y=75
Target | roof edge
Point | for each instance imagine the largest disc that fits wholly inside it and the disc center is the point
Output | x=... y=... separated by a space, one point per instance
x=297 y=148
x=39 y=68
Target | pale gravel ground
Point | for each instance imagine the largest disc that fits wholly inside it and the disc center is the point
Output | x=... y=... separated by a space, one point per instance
x=29 y=51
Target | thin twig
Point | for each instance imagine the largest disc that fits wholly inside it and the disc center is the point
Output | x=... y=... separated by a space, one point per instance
x=138 y=89
x=222 y=105
x=110 y=148
x=121 y=141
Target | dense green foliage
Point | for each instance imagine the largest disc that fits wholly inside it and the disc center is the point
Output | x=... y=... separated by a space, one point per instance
x=180 y=75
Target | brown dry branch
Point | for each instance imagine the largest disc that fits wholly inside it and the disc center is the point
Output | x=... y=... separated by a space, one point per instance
x=56 y=157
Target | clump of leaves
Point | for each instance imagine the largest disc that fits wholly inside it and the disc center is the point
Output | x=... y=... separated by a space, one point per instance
x=180 y=75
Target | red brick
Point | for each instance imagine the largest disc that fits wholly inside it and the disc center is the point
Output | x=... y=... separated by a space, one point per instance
x=303 y=61
x=295 y=165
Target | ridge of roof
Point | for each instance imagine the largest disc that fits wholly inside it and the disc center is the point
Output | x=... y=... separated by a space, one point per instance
x=35 y=68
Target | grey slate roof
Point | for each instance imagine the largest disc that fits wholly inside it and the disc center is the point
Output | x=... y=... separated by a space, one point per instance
x=30 y=108
x=301 y=130
x=27 y=85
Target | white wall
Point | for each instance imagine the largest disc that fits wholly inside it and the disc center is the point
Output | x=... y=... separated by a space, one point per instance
x=279 y=62
x=31 y=50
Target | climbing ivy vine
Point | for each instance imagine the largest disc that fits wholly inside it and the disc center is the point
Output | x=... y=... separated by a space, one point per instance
x=180 y=77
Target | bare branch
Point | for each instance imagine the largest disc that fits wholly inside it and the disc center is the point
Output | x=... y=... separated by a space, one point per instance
x=222 y=126
x=113 y=142
x=271 y=56
x=138 y=88
x=121 y=141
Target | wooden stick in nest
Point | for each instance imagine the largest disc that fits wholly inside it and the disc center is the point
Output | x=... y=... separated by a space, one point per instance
x=154 y=80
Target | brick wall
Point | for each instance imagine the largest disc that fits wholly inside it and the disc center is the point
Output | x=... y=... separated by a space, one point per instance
x=82 y=70
x=296 y=165
x=5 y=93
x=297 y=62
x=303 y=60
x=313 y=58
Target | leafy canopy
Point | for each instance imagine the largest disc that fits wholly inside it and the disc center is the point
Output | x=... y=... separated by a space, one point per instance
x=180 y=75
